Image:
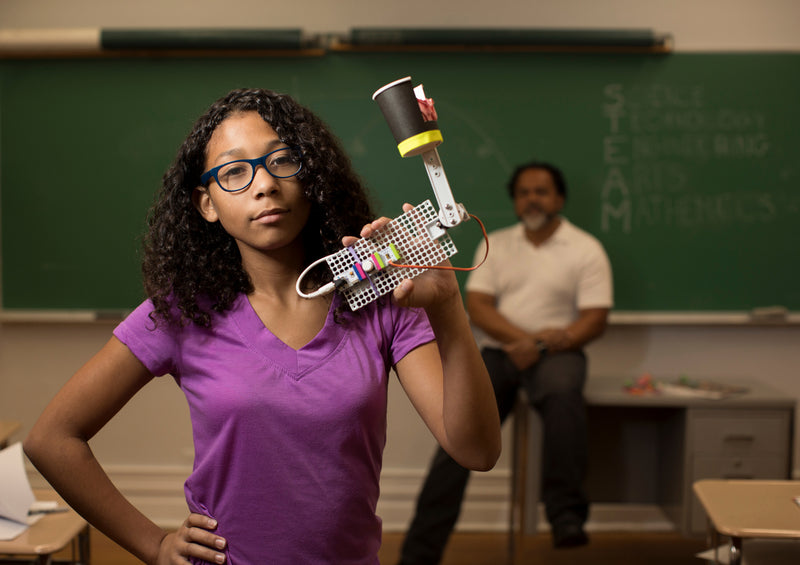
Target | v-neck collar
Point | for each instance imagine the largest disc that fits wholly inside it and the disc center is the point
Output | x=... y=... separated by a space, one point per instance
x=294 y=361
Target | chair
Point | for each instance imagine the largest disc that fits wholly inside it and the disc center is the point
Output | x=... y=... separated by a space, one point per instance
x=525 y=478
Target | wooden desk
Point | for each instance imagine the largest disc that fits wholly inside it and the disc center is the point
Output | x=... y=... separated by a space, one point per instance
x=749 y=509
x=49 y=535
x=7 y=429
x=650 y=449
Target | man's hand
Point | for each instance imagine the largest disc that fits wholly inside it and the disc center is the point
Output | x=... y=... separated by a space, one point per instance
x=556 y=339
x=523 y=352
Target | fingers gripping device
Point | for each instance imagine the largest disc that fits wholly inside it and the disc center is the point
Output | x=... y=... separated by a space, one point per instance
x=404 y=247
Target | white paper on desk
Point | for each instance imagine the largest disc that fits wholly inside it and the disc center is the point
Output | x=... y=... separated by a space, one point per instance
x=10 y=529
x=16 y=496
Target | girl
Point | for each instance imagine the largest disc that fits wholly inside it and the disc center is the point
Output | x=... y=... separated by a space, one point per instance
x=287 y=395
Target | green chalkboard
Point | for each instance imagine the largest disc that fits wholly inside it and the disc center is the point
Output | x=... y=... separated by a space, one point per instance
x=686 y=166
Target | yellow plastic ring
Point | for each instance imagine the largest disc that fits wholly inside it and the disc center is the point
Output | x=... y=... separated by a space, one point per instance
x=421 y=142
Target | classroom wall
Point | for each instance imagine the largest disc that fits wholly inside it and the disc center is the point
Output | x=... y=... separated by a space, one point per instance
x=729 y=25
x=147 y=449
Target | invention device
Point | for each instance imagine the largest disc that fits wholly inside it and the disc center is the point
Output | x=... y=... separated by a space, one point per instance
x=415 y=241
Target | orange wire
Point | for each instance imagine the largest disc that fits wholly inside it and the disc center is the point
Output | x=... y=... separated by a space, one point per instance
x=451 y=268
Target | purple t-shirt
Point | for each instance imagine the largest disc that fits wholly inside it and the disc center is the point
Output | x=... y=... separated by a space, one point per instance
x=288 y=443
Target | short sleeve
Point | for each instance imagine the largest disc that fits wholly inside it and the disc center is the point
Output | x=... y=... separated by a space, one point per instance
x=410 y=329
x=153 y=344
x=595 y=288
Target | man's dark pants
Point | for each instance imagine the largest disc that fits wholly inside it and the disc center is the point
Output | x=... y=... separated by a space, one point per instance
x=554 y=387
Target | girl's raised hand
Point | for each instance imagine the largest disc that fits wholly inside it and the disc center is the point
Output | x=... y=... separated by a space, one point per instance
x=195 y=538
x=432 y=288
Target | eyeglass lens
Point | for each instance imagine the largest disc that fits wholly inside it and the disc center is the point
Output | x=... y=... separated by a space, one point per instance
x=238 y=175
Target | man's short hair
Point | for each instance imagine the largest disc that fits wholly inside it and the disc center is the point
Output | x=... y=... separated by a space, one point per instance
x=555 y=173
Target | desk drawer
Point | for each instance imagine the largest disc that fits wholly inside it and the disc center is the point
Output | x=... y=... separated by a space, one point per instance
x=739 y=468
x=744 y=433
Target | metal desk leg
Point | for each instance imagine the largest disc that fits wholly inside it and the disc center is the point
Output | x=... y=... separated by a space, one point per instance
x=519 y=473
x=712 y=539
x=84 y=556
x=735 y=551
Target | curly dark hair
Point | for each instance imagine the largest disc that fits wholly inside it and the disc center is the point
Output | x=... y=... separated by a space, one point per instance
x=555 y=174
x=195 y=266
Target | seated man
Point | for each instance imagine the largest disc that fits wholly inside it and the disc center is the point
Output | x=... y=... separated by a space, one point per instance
x=543 y=294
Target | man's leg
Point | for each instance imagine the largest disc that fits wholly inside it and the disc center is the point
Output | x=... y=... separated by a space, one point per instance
x=438 y=507
x=439 y=502
x=555 y=386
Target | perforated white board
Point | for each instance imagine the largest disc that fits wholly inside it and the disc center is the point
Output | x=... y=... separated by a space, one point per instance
x=410 y=233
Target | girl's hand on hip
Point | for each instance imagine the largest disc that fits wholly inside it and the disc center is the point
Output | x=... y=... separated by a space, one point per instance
x=195 y=538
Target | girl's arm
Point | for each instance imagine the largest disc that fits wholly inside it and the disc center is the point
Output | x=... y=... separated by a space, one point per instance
x=58 y=447
x=446 y=380
x=449 y=386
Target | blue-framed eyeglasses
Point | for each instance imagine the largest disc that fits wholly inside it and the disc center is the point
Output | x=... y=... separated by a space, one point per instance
x=237 y=175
